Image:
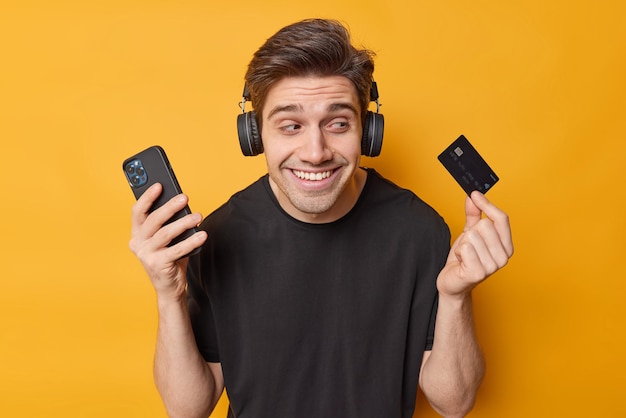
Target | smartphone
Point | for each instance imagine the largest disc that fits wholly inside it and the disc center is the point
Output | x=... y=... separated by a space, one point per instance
x=152 y=166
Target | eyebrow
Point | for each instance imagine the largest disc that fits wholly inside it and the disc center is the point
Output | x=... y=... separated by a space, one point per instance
x=341 y=106
x=286 y=108
x=334 y=107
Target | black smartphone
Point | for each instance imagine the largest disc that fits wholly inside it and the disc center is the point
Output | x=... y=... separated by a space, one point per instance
x=152 y=166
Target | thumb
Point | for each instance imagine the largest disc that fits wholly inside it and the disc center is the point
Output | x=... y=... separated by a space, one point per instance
x=472 y=213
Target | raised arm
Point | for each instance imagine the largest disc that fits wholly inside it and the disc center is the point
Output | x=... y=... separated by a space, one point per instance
x=453 y=370
x=189 y=386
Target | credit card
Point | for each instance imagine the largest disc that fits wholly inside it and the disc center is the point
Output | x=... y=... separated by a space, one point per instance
x=467 y=167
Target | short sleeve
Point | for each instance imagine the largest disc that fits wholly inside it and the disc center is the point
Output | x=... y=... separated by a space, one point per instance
x=201 y=315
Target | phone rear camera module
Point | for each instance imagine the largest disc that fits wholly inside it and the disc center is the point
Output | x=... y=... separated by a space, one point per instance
x=136 y=173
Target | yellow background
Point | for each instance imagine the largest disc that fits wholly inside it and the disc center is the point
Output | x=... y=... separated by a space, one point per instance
x=538 y=86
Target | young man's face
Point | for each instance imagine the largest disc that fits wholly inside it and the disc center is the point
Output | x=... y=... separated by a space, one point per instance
x=312 y=141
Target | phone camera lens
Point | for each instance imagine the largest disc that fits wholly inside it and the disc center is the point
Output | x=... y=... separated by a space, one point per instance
x=136 y=174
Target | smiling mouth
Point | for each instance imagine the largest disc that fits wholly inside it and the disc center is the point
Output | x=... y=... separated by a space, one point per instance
x=305 y=175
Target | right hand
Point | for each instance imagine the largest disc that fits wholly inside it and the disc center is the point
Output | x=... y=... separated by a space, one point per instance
x=149 y=240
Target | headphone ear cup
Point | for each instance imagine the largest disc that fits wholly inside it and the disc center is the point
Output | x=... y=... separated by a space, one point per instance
x=372 y=140
x=249 y=137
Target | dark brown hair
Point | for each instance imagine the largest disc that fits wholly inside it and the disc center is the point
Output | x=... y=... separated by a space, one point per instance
x=311 y=47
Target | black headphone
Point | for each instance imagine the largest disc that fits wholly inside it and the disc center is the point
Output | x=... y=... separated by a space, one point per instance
x=250 y=137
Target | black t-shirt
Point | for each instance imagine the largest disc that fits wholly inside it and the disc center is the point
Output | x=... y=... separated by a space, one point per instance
x=319 y=320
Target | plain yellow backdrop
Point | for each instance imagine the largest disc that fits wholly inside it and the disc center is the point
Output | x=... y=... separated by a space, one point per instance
x=538 y=87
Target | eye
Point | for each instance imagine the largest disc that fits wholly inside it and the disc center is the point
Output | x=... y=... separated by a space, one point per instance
x=339 y=125
x=290 y=128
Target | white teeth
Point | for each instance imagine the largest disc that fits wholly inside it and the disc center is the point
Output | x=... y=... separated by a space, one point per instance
x=304 y=175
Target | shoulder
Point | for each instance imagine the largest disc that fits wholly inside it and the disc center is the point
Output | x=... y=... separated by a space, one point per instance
x=399 y=201
x=249 y=202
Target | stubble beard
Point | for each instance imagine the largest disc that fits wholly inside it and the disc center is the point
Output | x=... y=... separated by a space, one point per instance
x=311 y=202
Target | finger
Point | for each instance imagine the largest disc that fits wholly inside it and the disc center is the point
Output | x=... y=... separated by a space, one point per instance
x=162 y=215
x=146 y=224
x=471 y=268
x=499 y=218
x=142 y=206
x=154 y=248
x=183 y=248
x=165 y=234
x=486 y=243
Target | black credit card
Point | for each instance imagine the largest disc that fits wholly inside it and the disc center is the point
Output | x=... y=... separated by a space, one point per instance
x=467 y=167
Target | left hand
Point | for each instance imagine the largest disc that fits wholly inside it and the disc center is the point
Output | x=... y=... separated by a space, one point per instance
x=483 y=248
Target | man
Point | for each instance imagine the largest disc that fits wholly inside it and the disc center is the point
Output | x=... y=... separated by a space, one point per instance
x=317 y=287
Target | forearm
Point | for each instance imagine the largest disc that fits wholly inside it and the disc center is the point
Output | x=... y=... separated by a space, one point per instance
x=454 y=370
x=188 y=386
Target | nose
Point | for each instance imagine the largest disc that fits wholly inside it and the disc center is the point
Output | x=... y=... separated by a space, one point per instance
x=314 y=148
